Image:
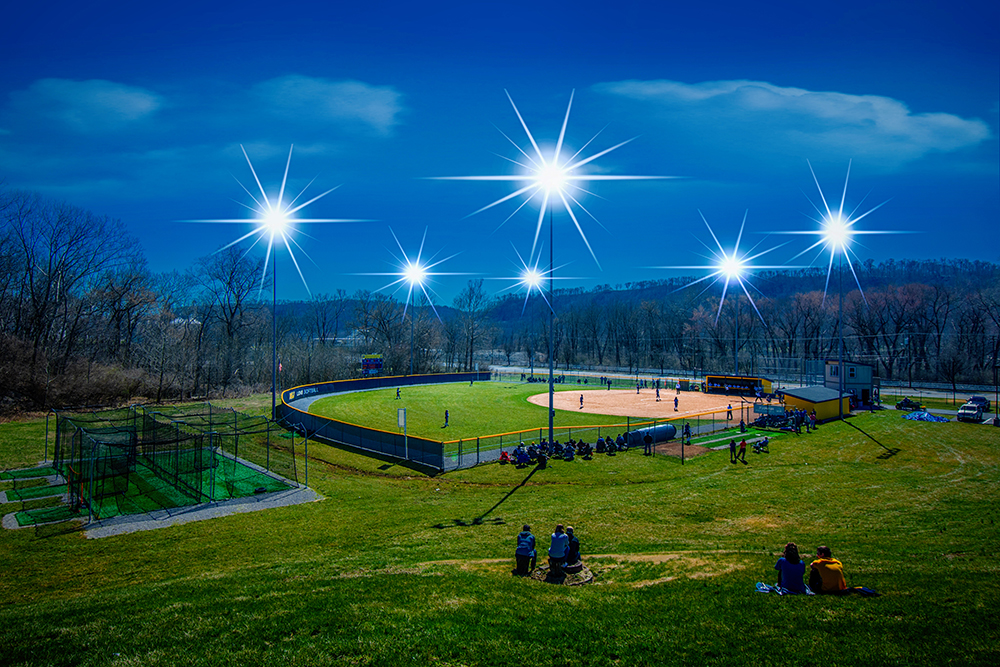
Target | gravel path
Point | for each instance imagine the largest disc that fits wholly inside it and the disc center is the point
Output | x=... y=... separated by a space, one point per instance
x=180 y=515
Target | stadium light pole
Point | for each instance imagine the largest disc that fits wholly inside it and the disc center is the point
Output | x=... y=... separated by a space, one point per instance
x=415 y=274
x=837 y=236
x=552 y=335
x=276 y=222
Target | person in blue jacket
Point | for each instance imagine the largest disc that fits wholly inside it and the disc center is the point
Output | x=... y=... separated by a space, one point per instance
x=525 y=553
x=791 y=570
x=557 y=550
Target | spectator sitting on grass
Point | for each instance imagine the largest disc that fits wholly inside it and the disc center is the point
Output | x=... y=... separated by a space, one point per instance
x=791 y=570
x=826 y=573
x=573 y=548
x=557 y=549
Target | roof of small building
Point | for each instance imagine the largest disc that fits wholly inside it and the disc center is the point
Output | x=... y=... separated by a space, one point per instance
x=815 y=394
x=836 y=362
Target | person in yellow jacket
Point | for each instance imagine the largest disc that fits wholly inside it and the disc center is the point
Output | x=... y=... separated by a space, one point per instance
x=826 y=573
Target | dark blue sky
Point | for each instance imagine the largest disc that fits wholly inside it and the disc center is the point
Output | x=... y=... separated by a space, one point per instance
x=139 y=112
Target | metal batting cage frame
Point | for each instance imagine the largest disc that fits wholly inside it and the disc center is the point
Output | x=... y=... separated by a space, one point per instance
x=139 y=459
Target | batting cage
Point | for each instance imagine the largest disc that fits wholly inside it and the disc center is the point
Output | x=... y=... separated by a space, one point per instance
x=137 y=460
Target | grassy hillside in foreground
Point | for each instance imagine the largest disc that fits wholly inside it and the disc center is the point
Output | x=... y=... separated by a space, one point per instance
x=393 y=567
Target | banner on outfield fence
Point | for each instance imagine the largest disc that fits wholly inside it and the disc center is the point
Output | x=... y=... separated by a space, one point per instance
x=761 y=409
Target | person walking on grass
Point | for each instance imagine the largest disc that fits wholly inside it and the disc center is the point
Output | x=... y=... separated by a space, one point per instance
x=742 y=455
x=445 y=417
x=732 y=451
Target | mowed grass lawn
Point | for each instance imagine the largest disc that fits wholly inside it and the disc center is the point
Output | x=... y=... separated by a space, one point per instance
x=485 y=408
x=397 y=568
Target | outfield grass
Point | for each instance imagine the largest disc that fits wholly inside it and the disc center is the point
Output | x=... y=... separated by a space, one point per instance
x=484 y=409
x=397 y=568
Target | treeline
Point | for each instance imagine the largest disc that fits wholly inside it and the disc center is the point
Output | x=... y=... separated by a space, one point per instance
x=83 y=321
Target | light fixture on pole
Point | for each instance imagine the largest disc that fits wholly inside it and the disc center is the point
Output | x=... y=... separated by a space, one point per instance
x=274 y=220
x=837 y=232
x=415 y=274
x=731 y=267
x=555 y=178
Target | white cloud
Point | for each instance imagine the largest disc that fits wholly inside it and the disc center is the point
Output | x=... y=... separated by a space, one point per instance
x=89 y=106
x=306 y=98
x=794 y=121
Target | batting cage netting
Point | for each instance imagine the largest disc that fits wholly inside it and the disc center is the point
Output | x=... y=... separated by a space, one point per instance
x=136 y=459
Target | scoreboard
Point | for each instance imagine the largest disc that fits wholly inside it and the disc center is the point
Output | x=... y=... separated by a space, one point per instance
x=371 y=364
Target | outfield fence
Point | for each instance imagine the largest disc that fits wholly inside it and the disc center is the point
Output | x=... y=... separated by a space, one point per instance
x=442 y=456
x=293 y=413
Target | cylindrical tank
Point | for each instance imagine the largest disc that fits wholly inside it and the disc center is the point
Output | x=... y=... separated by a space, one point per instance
x=660 y=433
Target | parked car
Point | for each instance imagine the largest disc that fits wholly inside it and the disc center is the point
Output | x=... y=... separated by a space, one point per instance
x=981 y=401
x=908 y=404
x=970 y=412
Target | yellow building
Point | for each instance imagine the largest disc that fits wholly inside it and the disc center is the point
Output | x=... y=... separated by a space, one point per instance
x=818 y=398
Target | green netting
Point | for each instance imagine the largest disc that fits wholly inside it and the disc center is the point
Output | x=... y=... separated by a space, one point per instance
x=28 y=473
x=134 y=460
x=33 y=492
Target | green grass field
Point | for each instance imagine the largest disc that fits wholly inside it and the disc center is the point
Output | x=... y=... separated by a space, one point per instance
x=485 y=408
x=397 y=568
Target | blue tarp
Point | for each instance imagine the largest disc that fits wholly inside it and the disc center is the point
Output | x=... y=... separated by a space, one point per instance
x=923 y=416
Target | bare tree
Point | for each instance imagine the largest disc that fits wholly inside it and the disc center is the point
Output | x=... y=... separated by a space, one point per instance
x=473 y=303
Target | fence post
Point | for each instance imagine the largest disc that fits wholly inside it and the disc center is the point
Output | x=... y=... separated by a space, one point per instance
x=477 y=450
x=211 y=476
x=306 y=437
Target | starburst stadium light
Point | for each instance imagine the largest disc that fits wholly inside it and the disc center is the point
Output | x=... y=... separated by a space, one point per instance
x=551 y=176
x=415 y=274
x=530 y=277
x=275 y=219
x=837 y=229
x=731 y=267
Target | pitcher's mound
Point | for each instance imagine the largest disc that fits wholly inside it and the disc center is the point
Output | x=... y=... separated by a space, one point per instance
x=573 y=576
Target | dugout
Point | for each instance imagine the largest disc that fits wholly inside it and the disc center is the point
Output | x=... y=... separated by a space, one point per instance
x=741 y=385
x=821 y=399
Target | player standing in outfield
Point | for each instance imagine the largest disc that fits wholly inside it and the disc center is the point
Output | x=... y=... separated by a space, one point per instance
x=445 y=417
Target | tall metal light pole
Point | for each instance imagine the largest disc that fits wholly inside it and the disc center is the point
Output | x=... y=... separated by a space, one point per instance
x=414 y=273
x=840 y=326
x=274 y=339
x=736 y=343
x=552 y=335
x=275 y=219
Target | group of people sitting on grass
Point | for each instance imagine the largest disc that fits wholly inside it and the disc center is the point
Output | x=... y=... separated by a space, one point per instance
x=564 y=552
x=540 y=454
x=826 y=575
